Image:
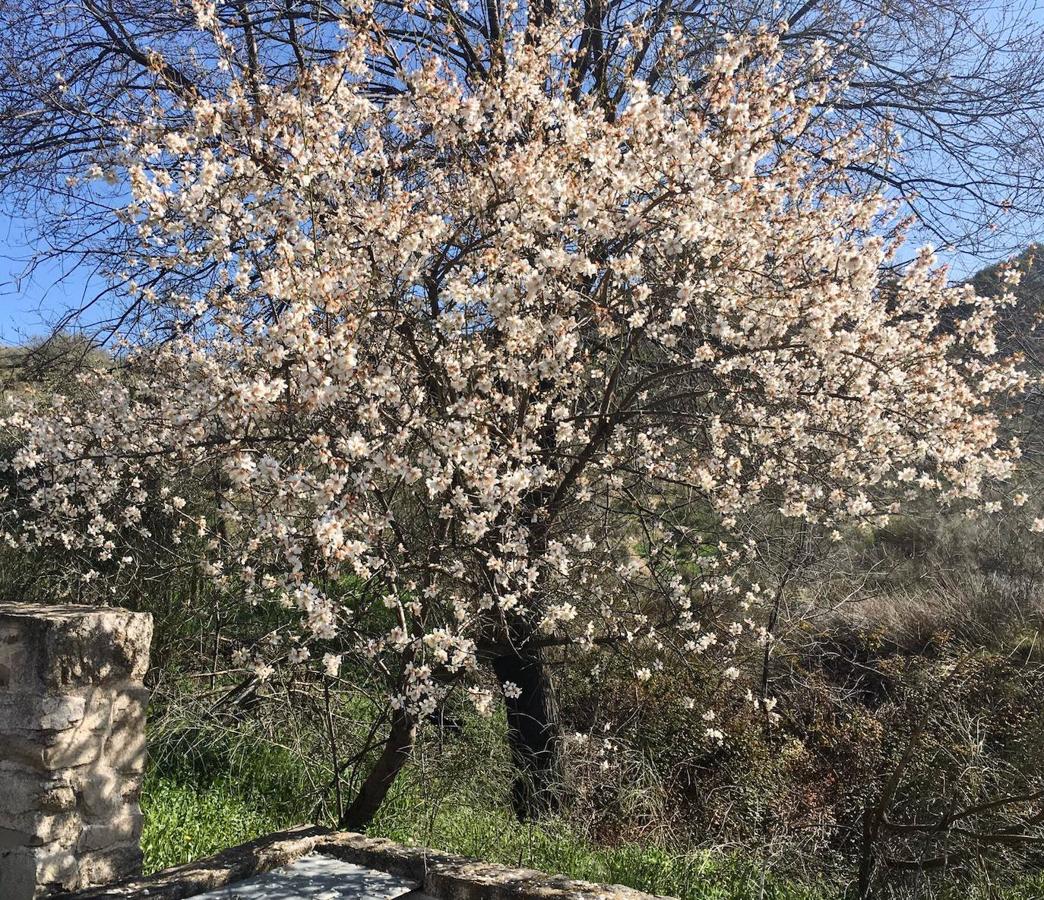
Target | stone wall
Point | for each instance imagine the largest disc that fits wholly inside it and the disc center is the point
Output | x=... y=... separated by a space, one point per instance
x=72 y=746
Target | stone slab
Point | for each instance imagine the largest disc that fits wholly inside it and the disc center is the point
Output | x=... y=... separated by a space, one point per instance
x=317 y=877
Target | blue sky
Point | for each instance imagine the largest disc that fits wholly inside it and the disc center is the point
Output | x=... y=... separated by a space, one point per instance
x=29 y=305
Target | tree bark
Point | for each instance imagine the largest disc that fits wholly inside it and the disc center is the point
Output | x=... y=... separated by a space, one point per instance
x=374 y=789
x=534 y=733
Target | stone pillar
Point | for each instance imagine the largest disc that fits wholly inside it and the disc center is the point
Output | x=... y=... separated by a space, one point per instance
x=72 y=745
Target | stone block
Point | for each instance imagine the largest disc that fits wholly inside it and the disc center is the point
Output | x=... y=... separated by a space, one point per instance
x=35 y=829
x=24 y=789
x=43 y=646
x=40 y=712
x=125 y=746
x=18 y=875
x=28 y=872
x=68 y=753
x=102 y=791
x=111 y=864
x=120 y=829
x=51 y=749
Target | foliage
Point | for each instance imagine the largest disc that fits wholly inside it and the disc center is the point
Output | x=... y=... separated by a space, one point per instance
x=207 y=789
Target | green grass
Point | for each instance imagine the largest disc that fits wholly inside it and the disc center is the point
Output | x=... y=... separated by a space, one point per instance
x=185 y=821
x=197 y=804
x=221 y=794
x=205 y=791
x=555 y=847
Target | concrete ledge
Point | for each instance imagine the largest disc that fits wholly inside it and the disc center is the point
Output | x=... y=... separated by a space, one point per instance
x=439 y=875
x=229 y=866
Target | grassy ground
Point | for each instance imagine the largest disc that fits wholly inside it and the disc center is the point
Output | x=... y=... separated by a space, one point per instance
x=193 y=808
x=225 y=791
x=184 y=821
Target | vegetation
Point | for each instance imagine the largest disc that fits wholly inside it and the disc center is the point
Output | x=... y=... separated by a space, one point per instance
x=528 y=441
x=949 y=626
x=209 y=787
x=929 y=613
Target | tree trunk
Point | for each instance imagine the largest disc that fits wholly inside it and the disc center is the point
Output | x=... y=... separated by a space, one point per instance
x=866 y=854
x=534 y=733
x=375 y=787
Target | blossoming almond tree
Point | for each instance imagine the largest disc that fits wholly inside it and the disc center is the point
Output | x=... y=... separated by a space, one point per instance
x=479 y=347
